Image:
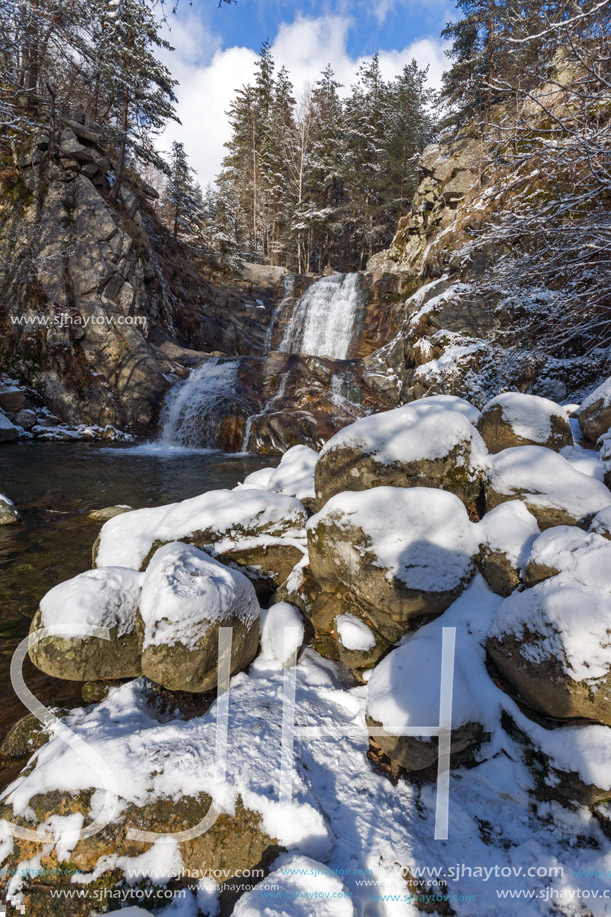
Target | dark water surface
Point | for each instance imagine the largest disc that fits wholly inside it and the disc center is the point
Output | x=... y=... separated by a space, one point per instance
x=54 y=485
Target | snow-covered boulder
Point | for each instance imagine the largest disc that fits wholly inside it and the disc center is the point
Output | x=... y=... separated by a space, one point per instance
x=405 y=688
x=584 y=556
x=554 y=491
x=8 y=431
x=8 y=511
x=505 y=537
x=282 y=632
x=294 y=476
x=406 y=553
x=98 y=598
x=257 y=531
x=299 y=886
x=594 y=415
x=427 y=443
x=187 y=596
x=515 y=419
x=216 y=516
x=553 y=644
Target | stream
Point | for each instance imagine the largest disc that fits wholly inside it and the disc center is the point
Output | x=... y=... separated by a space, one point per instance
x=54 y=485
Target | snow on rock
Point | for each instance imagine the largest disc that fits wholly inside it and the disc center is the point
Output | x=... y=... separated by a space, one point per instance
x=516 y=419
x=8 y=431
x=216 y=515
x=430 y=442
x=282 y=633
x=187 y=596
x=294 y=476
x=404 y=552
x=99 y=598
x=8 y=511
x=354 y=633
x=344 y=813
x=404 y=689
x=601 y=523
x=505 y=536
x=554 y=492
x=587 y=461
x=584 y=556
x=594 y=415
x=553 y=644
x=107 y=598
x=299 y=887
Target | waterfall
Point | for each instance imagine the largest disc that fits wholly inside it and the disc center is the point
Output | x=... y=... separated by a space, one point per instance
x=322 y=322
x=193 y=409
x=288 y=284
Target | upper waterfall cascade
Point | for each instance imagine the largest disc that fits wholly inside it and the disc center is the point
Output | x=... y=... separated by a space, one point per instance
x=322 y=322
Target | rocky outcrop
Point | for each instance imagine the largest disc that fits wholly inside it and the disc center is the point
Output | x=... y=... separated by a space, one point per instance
x=92 y=289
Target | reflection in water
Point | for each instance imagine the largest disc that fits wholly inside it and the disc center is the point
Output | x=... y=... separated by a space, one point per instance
x=54 y=485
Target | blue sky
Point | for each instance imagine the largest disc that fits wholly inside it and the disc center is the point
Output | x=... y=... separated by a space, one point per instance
x=216 y=50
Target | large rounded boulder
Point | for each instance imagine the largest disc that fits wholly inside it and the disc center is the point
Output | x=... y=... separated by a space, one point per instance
x=553 y=645
x=554 y=491
x=427 y=443
x=505 y=537
x=107 y=598
x=405 y=553
x=187 y=596
x=515 y=419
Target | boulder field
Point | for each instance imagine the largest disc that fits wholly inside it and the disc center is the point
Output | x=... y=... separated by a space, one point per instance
x=354 y=563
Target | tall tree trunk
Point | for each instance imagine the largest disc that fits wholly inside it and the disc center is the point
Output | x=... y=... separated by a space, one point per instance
x=120 y=167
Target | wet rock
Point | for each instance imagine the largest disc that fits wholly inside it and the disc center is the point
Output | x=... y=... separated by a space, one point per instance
x=107 y=512
x=8 y=512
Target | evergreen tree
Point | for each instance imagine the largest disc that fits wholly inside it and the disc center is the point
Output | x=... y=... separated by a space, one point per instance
x=182 y=196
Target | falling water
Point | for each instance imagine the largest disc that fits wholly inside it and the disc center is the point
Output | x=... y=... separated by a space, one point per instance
x=322 y=323
x=193 y=410
x=288 y=283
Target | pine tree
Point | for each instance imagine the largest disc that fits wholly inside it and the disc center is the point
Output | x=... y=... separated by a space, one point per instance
x=183 y=196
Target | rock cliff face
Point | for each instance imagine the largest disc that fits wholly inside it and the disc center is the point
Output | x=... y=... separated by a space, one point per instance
x=94 y=292
x=462 y=332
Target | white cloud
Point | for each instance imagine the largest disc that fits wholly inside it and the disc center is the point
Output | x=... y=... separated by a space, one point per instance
x=304 y=46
